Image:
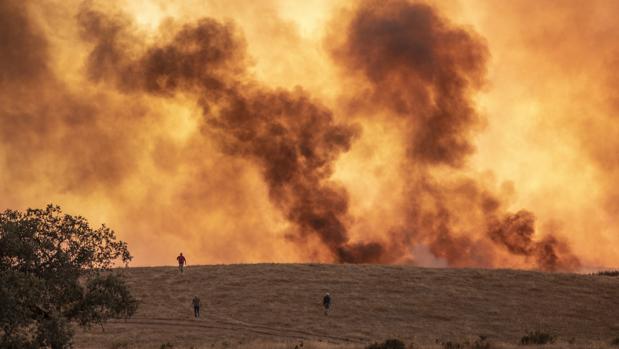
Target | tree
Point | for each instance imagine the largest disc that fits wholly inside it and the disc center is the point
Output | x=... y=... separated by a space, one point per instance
x=55 y=269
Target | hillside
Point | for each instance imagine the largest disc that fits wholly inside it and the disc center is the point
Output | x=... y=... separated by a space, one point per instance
x=277 y=305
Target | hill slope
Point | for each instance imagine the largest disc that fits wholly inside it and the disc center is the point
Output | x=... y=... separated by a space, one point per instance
x=243 y=305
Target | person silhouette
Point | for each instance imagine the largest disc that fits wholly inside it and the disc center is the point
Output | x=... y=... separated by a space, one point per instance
x=196 y=306
x=326 y=302
x=181 y=262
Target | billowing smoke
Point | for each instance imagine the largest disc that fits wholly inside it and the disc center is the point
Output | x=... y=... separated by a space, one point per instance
x=293 y=139
x=421 y=68
x=206 y=57
x=516 y=231
x=173 y=132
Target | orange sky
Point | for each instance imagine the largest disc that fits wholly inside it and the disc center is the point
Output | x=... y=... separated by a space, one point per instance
x=461 y=133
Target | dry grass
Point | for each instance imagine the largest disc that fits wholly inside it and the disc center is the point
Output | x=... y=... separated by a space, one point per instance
x=279 y=305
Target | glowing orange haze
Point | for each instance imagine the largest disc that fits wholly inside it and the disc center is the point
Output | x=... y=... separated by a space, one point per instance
x=460 y=133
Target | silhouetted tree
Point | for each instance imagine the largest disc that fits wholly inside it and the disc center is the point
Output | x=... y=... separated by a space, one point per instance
x=55 y=269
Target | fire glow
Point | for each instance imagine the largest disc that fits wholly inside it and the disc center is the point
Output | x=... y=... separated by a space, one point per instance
x=465 y=134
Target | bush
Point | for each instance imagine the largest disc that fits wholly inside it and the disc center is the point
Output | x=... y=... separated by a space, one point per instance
x=615 y=341
x=537 y=337
x=480 y=343
x=388 y=344
x=453 y=345
x=608 y=273
x=120 y=345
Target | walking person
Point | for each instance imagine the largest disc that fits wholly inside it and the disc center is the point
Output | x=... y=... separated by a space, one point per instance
x=196 y=307
x=326 y=303
x=181 y=262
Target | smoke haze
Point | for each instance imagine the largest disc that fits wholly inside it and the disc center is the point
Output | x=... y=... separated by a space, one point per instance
x=382 y=132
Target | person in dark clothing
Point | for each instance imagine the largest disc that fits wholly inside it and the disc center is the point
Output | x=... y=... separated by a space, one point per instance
x=326 y=302
x=181 y=261
x=196 y=307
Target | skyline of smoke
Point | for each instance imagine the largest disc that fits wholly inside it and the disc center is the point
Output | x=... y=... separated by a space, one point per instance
x=175 y=137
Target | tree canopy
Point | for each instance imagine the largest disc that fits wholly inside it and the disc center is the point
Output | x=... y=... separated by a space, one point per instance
x=55 y=269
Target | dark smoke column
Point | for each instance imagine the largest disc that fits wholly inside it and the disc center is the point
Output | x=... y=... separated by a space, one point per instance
x=296 y=141
x=292 y=138
x=422 y=69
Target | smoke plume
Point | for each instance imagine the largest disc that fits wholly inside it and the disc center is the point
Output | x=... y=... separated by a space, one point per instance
x=422 y=68
x=292 y=138
x=460 y=134
x=419 y=67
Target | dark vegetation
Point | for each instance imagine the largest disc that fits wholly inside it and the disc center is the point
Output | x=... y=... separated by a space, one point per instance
x=54 y=270
x=388 y=344
x=608 y=273
x=480 y=343
x=538 y=337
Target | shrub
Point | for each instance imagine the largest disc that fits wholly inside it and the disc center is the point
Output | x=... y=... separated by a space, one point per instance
x=537 y=337
x=167 y=345
x=453 y=345
x=388 y=344
x=615 y=341
x=120 y=345
x=480 y=343
x=608 y=273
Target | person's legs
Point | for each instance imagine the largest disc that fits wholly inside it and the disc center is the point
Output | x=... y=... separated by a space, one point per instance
x=196 y=311
x=180 y=266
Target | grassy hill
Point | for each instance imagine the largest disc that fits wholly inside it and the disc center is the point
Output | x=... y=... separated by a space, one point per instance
x=279 y=306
